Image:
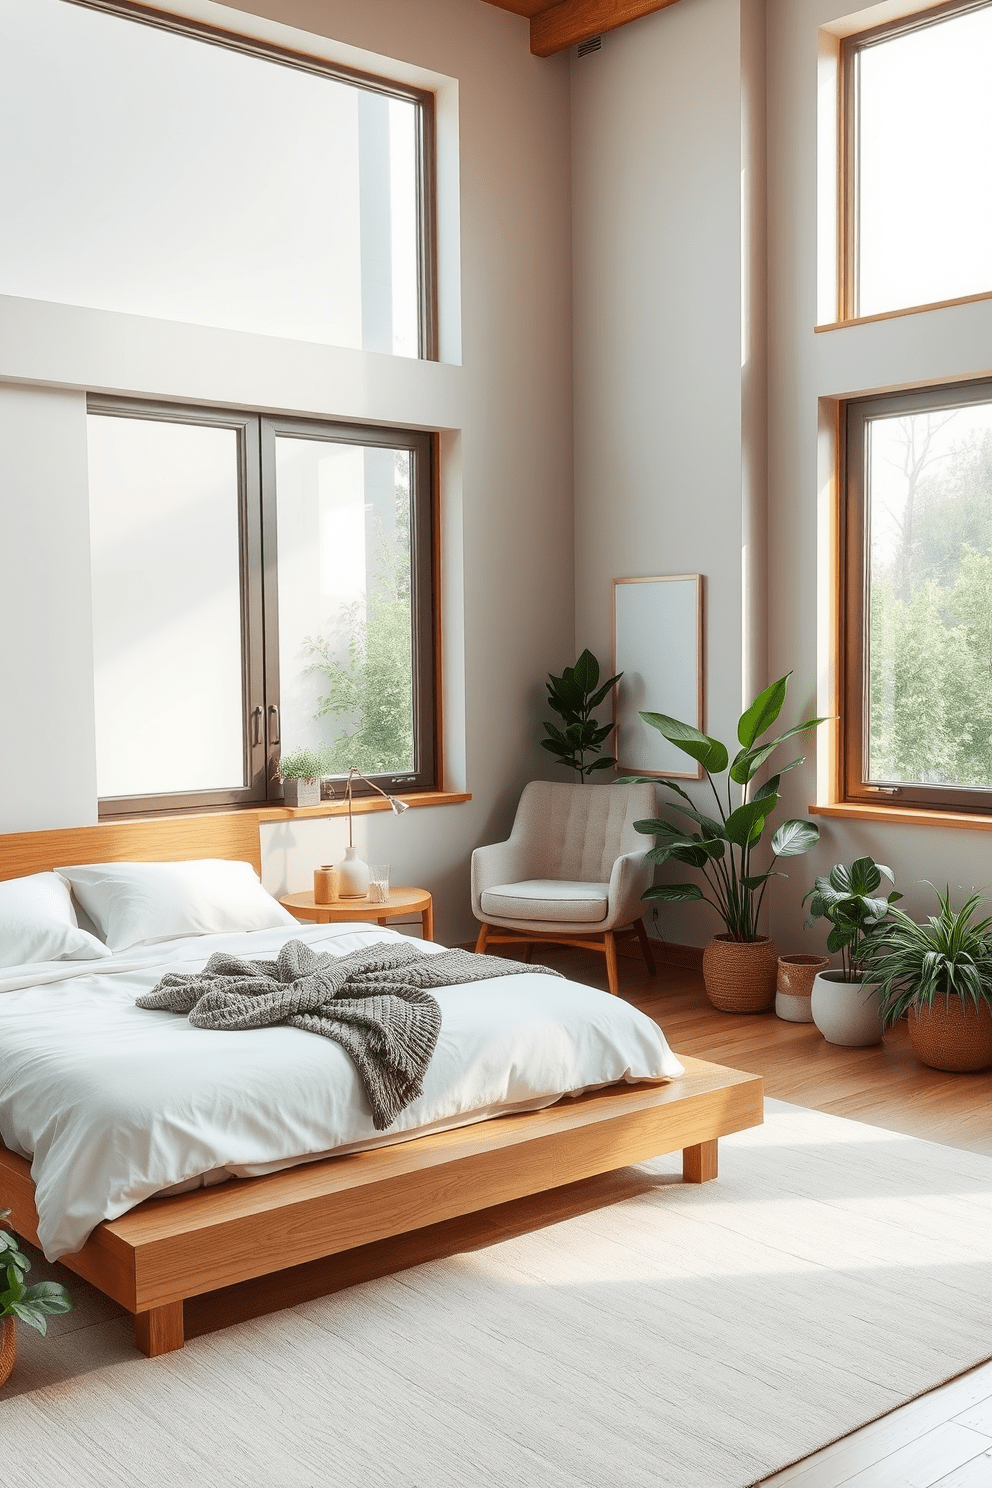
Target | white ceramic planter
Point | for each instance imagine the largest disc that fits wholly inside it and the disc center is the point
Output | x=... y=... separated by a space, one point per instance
x=848 y=1013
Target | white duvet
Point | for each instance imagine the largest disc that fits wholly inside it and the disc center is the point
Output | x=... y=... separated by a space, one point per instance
x=113 y=1103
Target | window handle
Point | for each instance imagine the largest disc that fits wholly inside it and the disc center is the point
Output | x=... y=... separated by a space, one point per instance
x=273 y=724
x=256 y=726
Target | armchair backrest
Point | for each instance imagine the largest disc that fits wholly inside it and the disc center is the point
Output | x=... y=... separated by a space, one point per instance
x=578 y=831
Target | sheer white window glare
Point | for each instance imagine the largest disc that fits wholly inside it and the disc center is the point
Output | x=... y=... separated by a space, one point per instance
x=922 y=117
x=162 y=175
x=346 y=627
x=167 y=611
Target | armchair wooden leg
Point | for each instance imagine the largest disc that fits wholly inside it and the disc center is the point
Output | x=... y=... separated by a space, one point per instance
x=480 y=944
x=612 y=974
x=645 y=944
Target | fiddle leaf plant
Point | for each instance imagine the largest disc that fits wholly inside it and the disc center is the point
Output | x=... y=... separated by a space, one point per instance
x=723 y=849
x=32 y=1304
x=573 y=696
x=848 y=898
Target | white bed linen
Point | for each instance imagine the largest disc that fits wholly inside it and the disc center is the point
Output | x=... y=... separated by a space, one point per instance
x=113 y=1103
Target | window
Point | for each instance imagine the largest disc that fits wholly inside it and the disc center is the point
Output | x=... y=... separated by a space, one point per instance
x=172 y=170
x=259 y=585
x=918 y=155
x=917 y=599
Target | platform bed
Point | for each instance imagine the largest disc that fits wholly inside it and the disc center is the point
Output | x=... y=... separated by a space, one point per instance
x=170 y=1250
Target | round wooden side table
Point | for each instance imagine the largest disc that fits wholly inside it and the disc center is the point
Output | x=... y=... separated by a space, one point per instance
x=400 y=902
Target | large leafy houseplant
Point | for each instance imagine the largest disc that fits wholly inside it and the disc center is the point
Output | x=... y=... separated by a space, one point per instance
x=724 y=846
x=573 y=696
x=848 y=898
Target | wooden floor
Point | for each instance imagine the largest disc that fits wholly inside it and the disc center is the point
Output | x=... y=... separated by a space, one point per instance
x=944 y=1439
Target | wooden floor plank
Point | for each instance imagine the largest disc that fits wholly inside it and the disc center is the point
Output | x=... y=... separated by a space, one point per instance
x=974 y=1474
x=924 y=1461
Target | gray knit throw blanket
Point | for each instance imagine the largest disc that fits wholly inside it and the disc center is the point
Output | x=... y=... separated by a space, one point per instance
x=372 y=1002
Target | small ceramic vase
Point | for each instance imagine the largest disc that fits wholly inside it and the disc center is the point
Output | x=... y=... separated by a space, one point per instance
x=353 y=876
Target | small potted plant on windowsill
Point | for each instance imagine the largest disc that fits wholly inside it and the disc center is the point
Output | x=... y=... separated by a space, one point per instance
x=939 y=975
x=32 y=1304
x=845 y=1004
x=300 y=773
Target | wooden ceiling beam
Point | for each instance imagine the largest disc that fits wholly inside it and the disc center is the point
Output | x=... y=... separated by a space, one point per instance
x=572 y=21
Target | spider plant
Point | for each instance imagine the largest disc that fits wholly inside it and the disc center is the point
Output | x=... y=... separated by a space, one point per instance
x=950 y=955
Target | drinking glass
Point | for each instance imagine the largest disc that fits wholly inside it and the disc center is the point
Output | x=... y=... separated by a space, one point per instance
x=378 y=882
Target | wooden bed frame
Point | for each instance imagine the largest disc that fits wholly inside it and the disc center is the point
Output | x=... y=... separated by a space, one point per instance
x=168 y=1250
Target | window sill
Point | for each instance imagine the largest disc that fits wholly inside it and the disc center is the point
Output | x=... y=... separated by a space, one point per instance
x=857 y=320
x=360 y=805
x=276 y=812
x=906 y=815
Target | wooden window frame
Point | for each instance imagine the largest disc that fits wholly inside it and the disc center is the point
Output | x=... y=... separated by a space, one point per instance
x=856 y=787
x=849 y=154
x=426 y=135
x=258 y=544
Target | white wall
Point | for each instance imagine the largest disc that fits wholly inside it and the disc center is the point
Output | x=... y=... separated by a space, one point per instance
x=667 y=144
x=503 y=401
x=806 y=368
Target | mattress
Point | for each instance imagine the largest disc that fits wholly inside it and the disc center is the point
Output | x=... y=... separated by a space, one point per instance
x=113 y=1103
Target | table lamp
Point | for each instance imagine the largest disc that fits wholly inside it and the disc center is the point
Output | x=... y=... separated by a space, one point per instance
x=353 y=874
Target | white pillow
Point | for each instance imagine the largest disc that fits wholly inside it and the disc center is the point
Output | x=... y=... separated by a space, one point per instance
x=38 y=923
x=139 y=903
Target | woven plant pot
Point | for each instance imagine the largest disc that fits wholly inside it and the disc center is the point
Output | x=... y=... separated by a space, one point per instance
x=740 y=974
x=8 y=1348
x=794 y=985
x=949 y=1036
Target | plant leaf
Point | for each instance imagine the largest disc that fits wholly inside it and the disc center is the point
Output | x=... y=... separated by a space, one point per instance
x=586 y=672
x=600 y=696
x=710 y=753
x=674 y=893
x=793 y=838
x=762 y=712
x=741 y=823
x=48 y=1296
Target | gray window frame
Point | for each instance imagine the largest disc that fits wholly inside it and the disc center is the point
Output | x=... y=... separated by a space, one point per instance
x=259 y=566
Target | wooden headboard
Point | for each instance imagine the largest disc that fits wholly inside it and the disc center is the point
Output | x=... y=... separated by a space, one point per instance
x=166 y=839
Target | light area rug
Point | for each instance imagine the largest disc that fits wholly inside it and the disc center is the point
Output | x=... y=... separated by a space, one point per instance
x=690 y=1336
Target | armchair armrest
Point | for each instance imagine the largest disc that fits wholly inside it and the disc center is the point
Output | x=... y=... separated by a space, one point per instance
x=632 y=874
x=500 y=863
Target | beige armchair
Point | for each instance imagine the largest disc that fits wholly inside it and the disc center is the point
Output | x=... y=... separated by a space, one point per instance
x=573 y=871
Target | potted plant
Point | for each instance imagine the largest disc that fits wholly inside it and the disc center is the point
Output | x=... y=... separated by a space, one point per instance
x=300 y=773
x=739 y=965
x=846 y=1007
x=32 y=1304
x=573 y=696
x=940 y=976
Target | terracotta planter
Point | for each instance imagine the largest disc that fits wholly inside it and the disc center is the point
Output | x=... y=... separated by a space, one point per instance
x=795 y=984
x=949 y=1036
x=846 y=1013
x=740 y=974
x=8 y=1348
